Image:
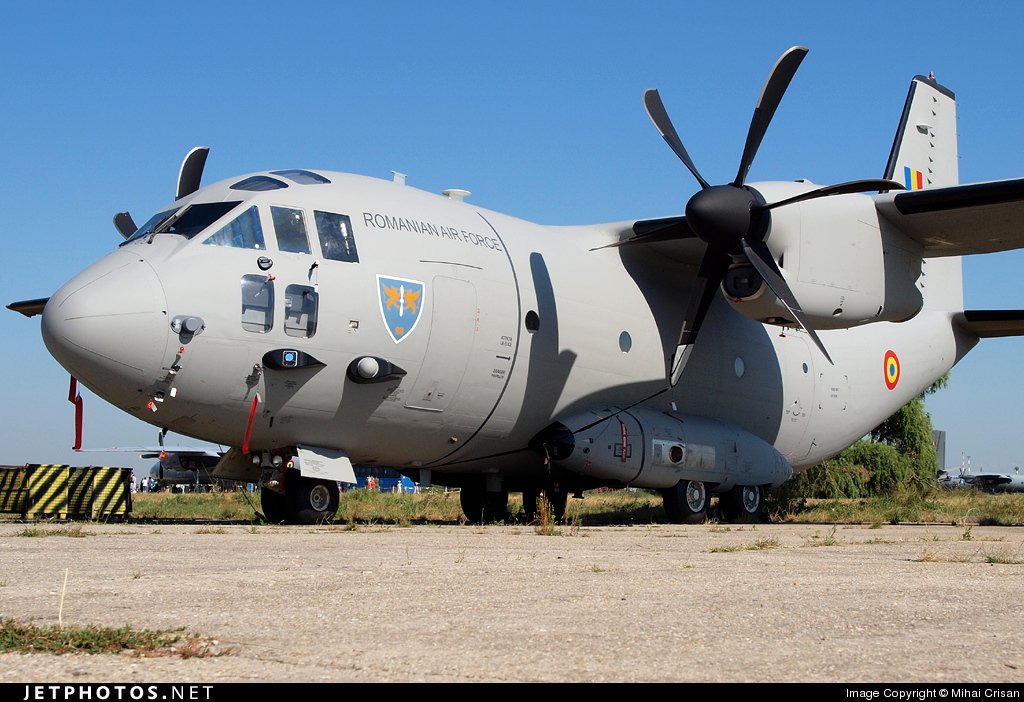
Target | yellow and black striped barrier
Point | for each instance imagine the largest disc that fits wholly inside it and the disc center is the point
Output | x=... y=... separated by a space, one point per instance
x=47 y=492
x=13 y=491
x=62 y=492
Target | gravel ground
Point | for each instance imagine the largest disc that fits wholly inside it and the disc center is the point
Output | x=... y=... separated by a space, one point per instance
x=765 y=603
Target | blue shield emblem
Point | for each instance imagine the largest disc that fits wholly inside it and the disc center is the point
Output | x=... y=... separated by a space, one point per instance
x=401 y=302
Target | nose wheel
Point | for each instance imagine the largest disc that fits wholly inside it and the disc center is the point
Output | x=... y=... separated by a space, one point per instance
x=305 y=501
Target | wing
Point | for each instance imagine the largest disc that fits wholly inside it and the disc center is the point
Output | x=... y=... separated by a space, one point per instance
x=961 y=219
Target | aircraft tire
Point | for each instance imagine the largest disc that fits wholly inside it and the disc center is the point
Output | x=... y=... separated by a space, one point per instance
x=481 y=507
x=275 y=508
x=312 y=501
x=743 y=504
x=687 y=502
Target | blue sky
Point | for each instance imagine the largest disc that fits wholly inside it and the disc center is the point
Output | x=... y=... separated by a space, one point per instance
x=535 y=107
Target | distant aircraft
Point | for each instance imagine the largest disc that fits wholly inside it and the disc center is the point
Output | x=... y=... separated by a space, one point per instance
x=191 y=468
x=344 y=319
x=987 y=481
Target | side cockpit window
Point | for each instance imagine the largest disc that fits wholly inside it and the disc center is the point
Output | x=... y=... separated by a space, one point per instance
x=336 y=240
x=290 y=227
x=300 y=303
x=257 y=303
x=243 y=232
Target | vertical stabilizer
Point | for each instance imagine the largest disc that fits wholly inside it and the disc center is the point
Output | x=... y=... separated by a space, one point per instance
x=924 y=154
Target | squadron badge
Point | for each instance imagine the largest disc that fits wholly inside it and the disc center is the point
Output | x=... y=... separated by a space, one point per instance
x=401 y=301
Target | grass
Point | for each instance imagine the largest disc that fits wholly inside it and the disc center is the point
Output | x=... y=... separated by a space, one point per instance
x=758 y=545
x=965 y=508
x=26 y=638
x=74 y=531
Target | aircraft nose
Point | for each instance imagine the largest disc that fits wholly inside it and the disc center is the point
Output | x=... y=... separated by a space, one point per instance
x=108 y=326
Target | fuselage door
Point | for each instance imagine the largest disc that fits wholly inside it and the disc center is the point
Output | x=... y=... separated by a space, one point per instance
x=452 y=329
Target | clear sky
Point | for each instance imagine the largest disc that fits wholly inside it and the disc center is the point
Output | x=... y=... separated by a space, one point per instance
x=535 y=107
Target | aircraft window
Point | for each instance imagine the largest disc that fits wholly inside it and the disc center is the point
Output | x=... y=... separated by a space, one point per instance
x=243 y=232
x=291 y=229
x=154 y=222
x=257 y=303
x=259 y=184
x=302 y=177
x=196 y=218
x=336 y=240
x=300 y=304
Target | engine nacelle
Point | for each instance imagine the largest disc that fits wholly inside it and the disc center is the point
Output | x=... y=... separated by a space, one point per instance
x=643 y=447
x=844 y=266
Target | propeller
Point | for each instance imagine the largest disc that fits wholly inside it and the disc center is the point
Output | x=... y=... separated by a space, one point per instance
x=189 y=177
x=733 y=219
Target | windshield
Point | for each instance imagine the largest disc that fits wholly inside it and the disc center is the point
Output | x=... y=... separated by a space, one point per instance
x=147 y=228
x=197 y=218
x=186 y=223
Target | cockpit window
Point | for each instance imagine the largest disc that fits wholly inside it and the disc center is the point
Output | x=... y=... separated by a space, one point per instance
x=147 y=228
x=197 y=218
x=259 y=184
x=243 y=232
x=290 y=226
x=302 y=177
x=336 y=239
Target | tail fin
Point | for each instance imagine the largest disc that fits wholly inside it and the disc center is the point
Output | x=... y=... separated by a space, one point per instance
x=924 y=154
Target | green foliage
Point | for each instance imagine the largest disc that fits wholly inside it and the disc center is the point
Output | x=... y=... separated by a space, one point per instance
x=899 y=453
x=93 y=639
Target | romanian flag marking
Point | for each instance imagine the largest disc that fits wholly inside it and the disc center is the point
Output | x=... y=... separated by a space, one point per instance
x=913 y=179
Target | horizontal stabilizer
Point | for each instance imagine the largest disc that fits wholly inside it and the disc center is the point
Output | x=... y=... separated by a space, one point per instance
x=991 y=323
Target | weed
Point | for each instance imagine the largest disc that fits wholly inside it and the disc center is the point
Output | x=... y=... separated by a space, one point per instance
x=827 y=540
x=595 y=568
x=460 y=556
x=758 y=545
x=211 y=530
x=966 y=536
x=136 y=574
x=928 y=556
x=25 y=638
x=1002 y=558
x=74 y=531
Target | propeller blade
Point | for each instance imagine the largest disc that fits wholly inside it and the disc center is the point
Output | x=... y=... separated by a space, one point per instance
x=191 y=172
x=125 y=224
x=709 y=276
x=854 y=186
x=656 y=111
x=774 y=88
x=761 y=258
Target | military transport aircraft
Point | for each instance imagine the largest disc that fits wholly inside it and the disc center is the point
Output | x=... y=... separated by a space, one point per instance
x=346 y=319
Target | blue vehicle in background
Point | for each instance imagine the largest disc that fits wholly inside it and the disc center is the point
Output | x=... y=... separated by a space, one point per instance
x=381 y=479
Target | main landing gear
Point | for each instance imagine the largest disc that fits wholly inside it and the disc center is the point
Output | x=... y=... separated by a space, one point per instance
x=481 y=506
x=687 y=503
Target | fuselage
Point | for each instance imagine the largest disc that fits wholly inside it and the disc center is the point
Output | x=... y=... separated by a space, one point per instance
x=245 y=317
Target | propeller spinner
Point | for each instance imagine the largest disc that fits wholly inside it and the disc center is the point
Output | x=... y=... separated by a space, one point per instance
x=733 y=219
